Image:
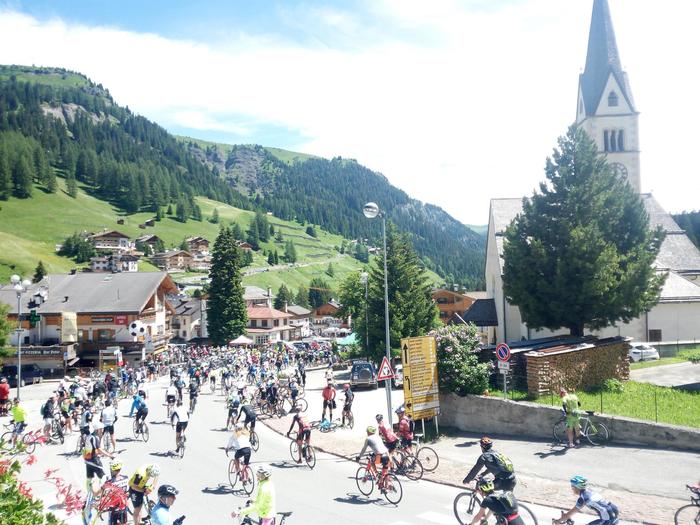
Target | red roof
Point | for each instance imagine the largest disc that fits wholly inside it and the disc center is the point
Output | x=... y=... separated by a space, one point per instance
x=265 y=312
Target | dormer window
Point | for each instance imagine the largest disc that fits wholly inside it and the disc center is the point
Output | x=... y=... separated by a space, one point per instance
x=612 y=99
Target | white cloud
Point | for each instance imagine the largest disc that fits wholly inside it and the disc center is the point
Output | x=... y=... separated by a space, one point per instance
x=465 y=111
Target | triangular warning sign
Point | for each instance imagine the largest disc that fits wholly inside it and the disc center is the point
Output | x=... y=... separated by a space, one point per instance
x=385 y=371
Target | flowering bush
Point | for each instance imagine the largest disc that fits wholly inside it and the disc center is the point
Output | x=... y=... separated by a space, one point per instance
x=459 y=369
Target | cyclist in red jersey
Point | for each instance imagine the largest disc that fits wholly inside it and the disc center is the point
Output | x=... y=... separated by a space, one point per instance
x=303 y=432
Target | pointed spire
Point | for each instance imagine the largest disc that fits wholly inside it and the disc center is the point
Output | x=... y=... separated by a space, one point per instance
x=602 y=59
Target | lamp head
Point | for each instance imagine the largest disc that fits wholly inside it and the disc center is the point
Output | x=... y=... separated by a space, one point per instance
x=371 y=210
x=363 y=277
x=26 y=283
x=15 y=279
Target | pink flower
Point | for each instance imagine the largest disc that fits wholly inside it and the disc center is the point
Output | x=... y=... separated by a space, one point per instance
x=49 y=472
x=31 y=459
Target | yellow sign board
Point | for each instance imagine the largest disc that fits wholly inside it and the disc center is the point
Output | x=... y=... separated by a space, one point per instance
x=420 y=378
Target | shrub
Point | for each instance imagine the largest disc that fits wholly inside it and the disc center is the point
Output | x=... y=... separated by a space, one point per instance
x=613 y=386
x=459 y=370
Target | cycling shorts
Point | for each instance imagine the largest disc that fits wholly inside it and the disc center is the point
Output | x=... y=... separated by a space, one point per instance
x=383 y=459
x=243 y=453
x=171 y=399
x=304 y=434
x=109 y=429
x=93 y=468
x=347 y=407
x=392 y=445
x=136 y=497
x=573 y=421
x=85 y=431
x=232 y=411
x=118 y=517
x=251 y=422
x=328 y=403
x=181 y=426
x=405 y=443
x=141 y=413
x=505 y=483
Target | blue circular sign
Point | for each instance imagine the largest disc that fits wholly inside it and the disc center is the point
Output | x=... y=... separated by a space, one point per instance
x=503 y=352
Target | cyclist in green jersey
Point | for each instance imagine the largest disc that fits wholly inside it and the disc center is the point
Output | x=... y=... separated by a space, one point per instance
x=570 y=405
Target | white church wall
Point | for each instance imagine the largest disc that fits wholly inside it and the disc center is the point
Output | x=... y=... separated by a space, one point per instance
x=677 y=321
x=622 y=107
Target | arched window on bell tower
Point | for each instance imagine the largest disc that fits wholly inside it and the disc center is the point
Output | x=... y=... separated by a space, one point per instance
x=613 y=101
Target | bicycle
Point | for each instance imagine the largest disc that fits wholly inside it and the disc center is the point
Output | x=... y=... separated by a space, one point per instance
x=171 y=408
x=388 y=484
x=325 y=425
x=407 y=464
x=193 y=403
x=244 y=474
x=349 y=418
x=57 y=433
x=594 y=431
x=140 y=428
x=107 y=442
x=247 y=520
x=26 y=443
x=688 y=514
x=180 y=450
x=467 y=504
x=307 y=451
x=80 y=444
x=254 y=440
x=428 y=458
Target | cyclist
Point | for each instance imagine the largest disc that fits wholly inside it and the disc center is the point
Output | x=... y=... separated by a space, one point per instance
x=19 y=417
x=381 y=454
x=194 y=392
x=500 y=503
x=570 y=404
x=135 y=403
x=117 y=481
x=328 y=400
x=240 y=442
x=160 y=515
x=140 y=484
x=66 y=407
x=496 y=463
x=250 y=416
x=171 y=396
x=390 y=439
x=405 y=429
x=47 y=410
x=293 y=389
x=607 y=512
x=4 y=396
x=212 y=380
x=183 y=417
x=264 y=503
x=303 y=432
x=93 y=465
x=86 y=419
x=233 y=401
x=108 y=417
x=347 y=405
x=301 y=367
x=179 y=385
x=141 y=412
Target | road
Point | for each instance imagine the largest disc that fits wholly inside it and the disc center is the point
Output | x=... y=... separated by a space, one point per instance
x=328 y=494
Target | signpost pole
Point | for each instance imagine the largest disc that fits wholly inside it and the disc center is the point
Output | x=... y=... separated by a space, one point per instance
x=505 y=392
x=437 y=430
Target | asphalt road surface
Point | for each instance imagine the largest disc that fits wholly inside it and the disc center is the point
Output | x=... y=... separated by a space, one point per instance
x=327 y=494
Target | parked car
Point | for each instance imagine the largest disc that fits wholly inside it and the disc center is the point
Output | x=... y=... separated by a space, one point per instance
x=642 y=352
x=30 y=374
x=363 y=373
x=398 y=376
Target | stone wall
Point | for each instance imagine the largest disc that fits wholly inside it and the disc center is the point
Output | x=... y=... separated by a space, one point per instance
x=576 y=368
x=490 y=415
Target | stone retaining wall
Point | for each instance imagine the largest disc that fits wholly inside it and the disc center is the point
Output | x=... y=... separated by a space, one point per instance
x=494 y=415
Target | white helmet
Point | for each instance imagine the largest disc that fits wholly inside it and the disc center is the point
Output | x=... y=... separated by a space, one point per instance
x=264 y=470
x=153 y=471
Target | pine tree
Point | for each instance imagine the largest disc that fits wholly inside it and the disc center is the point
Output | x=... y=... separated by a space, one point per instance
x=581 y=253
x=51 y=182
x=319 y=292
x=262 y=225
x=197 y=213
x=5 y=174
x=330 y=272
x=71 y=186
x=22 y=177
x=247 y=257
x=170 y=209
x=214 y=216
x=302 y=297
x=277 y=257
x=159 y=214
x=253 y=237
x=278 y=235
x=181 y=211
x=290 y=252
x=39 y=272
x=184 y=246
x=311 y=231
x=271 y=258
x=237 y=231
x=226 y=308
x=284 y=297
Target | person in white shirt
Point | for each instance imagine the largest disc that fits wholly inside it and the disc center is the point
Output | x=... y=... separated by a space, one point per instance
x=183 y=417
x=240 y=442
x=379 y=450
x=171 y=395
x=108 y=416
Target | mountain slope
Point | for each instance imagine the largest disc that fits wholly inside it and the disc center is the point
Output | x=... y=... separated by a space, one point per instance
x=332 y=192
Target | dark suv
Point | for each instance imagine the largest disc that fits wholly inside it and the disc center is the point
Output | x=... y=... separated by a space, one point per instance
x=30 y=374
x=363 y=373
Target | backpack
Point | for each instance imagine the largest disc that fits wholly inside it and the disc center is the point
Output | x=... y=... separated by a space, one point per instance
x=499 y=463
x=411 y=426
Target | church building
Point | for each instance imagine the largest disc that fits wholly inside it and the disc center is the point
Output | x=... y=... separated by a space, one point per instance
x=607 y=112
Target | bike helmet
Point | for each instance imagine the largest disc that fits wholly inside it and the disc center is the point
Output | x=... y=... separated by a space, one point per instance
x=579 y=482
x=264 y=470
x=379 y=417
x=346 y=385
x=485 y=485
x=485 y=443
x=167 y=490
x=371 y=429
x=115 y=465
x=153 y=471
x=400 y=410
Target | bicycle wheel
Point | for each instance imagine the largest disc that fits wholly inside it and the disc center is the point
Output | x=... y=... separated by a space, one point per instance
x=393 y=491
x=106 y=442
x=294 y=450
x=135 y=428
x=232 y=474
x=428 y=458
x=351 y=420
x=466 y=506
x=309 y=456
x=364 y=480
x=527 y=515
x=302 y=404
x=181 y=449
x=60 y=435
x=144 y=433
x=6 y=440
x=597 y=433
x=80 y=444
x=249 y=482
x=254 y=441
x=559 y=431
x=687 y=515
x=412 y=467
x=29 y=442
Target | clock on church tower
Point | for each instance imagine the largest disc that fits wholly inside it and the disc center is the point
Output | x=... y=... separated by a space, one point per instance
x=619 y=169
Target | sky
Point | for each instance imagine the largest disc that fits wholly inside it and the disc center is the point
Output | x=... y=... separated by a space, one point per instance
x=455 y=102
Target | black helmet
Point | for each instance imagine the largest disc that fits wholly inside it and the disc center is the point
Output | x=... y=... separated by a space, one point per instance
x=167 y=490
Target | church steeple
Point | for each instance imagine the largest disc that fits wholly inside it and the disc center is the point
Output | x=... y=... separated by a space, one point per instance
x=605 y=107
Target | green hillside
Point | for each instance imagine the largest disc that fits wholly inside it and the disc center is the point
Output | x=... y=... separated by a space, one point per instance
x=31 y=228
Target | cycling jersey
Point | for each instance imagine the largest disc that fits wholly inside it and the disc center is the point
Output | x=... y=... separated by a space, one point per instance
x=374 y=442
x=181 y=414
x=160 y=515
x=239 y=440
x=349 y=397
x=108 y=416
x=387 y=434
x=140 y=481
x=405 y=429
x=607 y=512
x=264 y=503
x=171 y=391
x=249 y=412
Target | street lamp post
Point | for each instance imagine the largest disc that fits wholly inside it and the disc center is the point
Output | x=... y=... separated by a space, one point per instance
x=371 y=210
x=364 y=279
x=20 y=286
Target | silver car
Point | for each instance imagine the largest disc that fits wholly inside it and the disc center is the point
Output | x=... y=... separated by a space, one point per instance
x=642 y=352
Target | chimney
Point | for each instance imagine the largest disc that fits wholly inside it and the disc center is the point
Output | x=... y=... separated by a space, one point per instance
x=285 y=307
x=269 y=297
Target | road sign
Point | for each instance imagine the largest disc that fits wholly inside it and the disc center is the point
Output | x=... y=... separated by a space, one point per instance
x=503 y=352
x=504 y=367
x=385 y=371
x=420 y=379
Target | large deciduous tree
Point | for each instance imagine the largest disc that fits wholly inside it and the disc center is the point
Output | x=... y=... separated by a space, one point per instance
x=580 y=254
x=412 y=311
x=226 y=309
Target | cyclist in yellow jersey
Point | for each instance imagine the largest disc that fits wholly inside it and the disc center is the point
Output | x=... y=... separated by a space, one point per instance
x=570 y=404
x=142 y=483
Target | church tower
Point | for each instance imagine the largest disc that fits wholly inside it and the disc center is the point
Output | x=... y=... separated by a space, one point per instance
x=606 y=109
